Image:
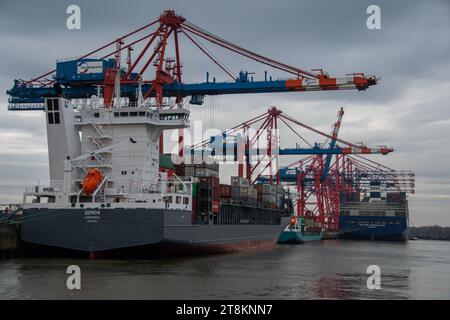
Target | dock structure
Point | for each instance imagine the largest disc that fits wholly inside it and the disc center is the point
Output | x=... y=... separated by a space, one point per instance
x=10 y=242
x=328 y=235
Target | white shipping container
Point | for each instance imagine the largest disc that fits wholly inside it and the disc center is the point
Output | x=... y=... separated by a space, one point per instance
x=239 y=192
x=269 y=188
x=273 y=199
x=309 y=222
x=238 y=181
x=317 y=224
x=189 y=172
x=269 y=198
x=252 y=193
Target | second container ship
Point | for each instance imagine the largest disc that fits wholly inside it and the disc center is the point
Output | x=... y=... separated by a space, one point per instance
x=376 y=216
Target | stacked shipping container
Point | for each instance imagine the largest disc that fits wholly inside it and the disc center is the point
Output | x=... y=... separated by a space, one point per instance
x=225 y=191
x=239 y=188
x=272 y=195
x=209 y=195
x=199 y=168
x=396 y=197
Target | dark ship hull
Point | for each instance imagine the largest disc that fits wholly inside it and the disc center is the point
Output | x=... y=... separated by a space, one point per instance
x=374 y=228
x=108 y=231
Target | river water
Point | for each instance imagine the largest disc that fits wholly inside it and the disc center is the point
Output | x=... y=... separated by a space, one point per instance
x=333 y=269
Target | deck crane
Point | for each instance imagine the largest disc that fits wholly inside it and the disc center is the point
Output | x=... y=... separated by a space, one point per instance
x=106 y=76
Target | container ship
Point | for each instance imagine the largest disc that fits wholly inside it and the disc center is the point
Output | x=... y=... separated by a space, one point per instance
x=376 y=216
x=112 y=192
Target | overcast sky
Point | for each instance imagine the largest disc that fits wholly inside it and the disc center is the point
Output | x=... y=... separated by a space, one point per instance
x=409 y=110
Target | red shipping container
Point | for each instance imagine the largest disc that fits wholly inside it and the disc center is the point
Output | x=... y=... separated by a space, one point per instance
x=211 y=181
x=170 y=172
x=225 y=191
x=215 y=193
x=179 y=170
x=215 y=206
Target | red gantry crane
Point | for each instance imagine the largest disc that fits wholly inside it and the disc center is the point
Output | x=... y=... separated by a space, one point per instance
x=246 y=148
x=109 y=77
x=326 y=172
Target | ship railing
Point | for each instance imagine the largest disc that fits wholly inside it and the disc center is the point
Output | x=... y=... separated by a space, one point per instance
x=31 y=190
x=95 y=102
x=373 y=204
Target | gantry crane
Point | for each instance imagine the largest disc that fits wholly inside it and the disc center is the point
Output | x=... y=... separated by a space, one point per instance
x=108 y=77
x=319 y=179
x=249 y=150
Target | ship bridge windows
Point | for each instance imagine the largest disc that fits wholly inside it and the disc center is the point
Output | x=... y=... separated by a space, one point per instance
x=52 y=104
x=131 y=114
x=53 y=111
x=153 y=115
x=137 y=114
x=174 y=116
x=120 y=114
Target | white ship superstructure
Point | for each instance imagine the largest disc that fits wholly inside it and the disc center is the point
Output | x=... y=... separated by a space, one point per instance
x=122 y=143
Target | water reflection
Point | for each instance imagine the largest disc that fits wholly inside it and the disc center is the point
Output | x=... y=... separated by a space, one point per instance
x=326 y=270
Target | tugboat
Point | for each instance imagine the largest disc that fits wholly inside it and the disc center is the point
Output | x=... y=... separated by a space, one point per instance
x=298 y=232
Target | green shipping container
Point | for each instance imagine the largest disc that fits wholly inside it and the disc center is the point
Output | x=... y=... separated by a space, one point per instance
x=165 y=161
x=194 y=189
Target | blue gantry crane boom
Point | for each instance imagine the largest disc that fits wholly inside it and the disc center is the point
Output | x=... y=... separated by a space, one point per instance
x=82 y=77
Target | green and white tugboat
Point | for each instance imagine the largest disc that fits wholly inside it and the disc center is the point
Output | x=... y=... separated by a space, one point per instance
x=300 y=231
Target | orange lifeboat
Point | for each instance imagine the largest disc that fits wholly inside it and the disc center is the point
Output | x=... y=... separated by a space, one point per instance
x=293 y=221
x=92 y=180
